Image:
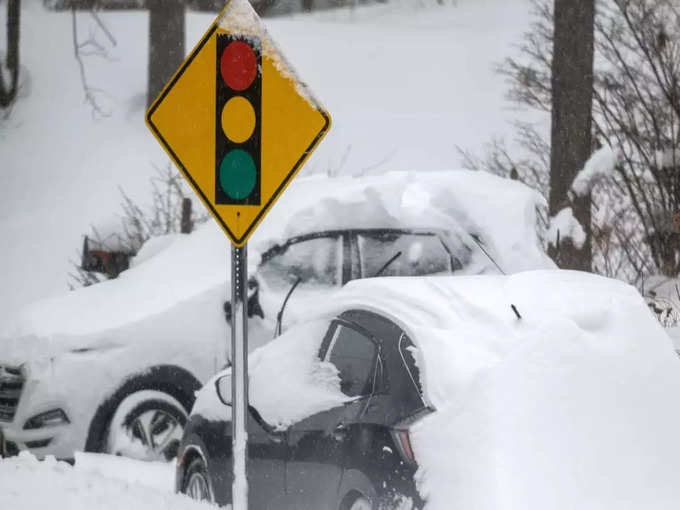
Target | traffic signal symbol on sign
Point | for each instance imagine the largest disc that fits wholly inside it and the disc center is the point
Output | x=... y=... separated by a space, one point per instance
x=238 y=133
x=237 y=121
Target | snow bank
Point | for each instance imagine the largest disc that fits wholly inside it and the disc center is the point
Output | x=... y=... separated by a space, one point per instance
x=287 y=380
x=28 y=484
x=571 y=406
x=156 y=475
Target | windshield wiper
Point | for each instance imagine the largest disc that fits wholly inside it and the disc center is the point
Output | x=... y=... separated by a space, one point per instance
x=279 y=316
x=387 y=264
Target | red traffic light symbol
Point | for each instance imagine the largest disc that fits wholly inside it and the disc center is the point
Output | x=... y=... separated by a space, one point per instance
x=238 y=65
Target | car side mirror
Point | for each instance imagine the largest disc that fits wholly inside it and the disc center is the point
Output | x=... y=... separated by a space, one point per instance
x=254 y=307
x=223 y=389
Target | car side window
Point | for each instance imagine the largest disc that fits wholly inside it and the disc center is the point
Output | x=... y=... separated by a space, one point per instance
x=354 y=355
x=421 y=254
x=316 y=261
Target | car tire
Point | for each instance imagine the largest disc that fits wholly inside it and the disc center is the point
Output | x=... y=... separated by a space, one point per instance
x=147 y=425
x=196 y=483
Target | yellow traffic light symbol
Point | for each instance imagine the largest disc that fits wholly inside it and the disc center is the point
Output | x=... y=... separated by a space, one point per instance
x=237 y=121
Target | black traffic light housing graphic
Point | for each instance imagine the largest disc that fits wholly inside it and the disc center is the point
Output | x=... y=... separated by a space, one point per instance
x=238 y=120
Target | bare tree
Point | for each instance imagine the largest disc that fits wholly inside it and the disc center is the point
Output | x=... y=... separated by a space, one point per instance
x=636 y=109
x=166 y=29
x=88 y=47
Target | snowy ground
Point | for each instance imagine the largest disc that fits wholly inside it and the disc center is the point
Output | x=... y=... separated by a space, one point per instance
x=405 y=83
x=97 y=482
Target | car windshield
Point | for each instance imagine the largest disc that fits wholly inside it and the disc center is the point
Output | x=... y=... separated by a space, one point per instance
x=421 y=254
x=316 y=261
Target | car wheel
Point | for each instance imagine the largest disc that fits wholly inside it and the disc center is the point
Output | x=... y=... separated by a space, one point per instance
x=147 y=425
x=361 y=503
x=196 y=483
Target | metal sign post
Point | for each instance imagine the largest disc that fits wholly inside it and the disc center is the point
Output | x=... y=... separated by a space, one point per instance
x=239 y=374
x=239 y=124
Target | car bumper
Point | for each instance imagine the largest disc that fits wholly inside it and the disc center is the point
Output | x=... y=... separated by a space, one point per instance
x=56 y=441
x=37 y=396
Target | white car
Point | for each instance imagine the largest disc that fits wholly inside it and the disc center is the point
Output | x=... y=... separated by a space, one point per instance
x=114 y=367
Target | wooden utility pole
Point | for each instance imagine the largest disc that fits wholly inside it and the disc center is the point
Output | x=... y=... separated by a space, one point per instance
x=572 y=95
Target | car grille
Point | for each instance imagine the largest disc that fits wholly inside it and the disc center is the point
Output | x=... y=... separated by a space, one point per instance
x=11 y=385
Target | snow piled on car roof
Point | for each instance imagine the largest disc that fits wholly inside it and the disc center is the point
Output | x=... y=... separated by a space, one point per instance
x=501 y=212
x=573 y=405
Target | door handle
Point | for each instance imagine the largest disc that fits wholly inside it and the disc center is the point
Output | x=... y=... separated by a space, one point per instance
x=340 y=432
x=275 y=438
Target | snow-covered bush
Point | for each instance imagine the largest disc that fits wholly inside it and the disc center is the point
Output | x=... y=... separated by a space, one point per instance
x=137 y=223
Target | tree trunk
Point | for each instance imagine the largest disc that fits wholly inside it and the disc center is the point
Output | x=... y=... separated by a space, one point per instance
x=9 y=93
x=166 y=43
x=572 y=93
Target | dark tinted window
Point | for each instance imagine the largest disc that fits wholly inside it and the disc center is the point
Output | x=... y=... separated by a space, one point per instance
x=354 y=356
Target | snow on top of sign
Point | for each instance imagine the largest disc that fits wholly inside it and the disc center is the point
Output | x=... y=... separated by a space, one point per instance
x=239 y=17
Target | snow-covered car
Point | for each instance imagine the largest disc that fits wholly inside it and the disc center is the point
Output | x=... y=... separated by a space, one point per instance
x=543 y=389
x=114 y=367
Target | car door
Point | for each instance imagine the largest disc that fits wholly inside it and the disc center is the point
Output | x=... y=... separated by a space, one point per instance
x=267 y=453
x=317 y=445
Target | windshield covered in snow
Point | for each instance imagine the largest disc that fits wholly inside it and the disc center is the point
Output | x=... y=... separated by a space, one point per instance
x=316 y=261
x=421 y=254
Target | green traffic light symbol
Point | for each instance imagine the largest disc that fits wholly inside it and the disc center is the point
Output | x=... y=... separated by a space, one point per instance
x=238 y=174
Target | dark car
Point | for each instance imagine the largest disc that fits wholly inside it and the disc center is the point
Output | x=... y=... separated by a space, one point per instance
x=355 y=456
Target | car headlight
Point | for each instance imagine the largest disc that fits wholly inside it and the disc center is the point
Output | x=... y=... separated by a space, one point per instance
x=47 y=419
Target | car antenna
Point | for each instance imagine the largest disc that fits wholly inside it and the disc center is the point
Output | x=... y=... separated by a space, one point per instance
x=474 y=238
x=387 y=264
x=279 y=316
x=514 y=309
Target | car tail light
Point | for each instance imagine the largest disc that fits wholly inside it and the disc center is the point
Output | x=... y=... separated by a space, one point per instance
x=403 y=442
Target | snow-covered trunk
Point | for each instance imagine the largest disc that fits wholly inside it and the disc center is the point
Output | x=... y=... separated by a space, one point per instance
x=572 y=90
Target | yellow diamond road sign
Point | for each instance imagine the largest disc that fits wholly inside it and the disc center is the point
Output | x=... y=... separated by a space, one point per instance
x=237 y=121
